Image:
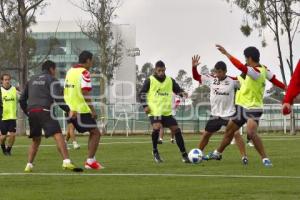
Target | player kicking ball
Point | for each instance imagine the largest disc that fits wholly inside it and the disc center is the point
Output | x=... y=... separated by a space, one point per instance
x=222 y=92
x=156 y=97
x=249 y=101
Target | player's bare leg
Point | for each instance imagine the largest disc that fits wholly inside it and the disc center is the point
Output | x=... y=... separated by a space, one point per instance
x=204 y=140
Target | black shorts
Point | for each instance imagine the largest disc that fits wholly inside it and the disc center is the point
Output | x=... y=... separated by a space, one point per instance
x=215 y=123
x=84 y=122
x=166 y=121
x=39 y=121
x=8 y=126
x=243 y=114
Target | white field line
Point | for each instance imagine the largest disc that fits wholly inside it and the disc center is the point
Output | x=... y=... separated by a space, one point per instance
x=153 y=175
x=146 y=142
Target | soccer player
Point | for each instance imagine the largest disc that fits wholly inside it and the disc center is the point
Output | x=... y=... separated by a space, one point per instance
x=9 y=117
x=77 y=96
x=249 y=101
x=156 y=97
x=36 y=101
x=71 y=134
x=292 y=91
x=222 y=92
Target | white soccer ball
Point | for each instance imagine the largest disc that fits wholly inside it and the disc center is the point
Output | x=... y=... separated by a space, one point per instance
x=195 y=156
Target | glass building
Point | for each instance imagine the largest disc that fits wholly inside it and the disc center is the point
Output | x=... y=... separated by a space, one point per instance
x=71 y=41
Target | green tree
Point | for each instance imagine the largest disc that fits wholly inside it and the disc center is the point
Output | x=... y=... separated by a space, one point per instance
x=100 y=30
x=142 y=75
x=183 y=80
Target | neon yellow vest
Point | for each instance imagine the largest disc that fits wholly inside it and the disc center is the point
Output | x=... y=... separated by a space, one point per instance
x=72 y=91
x=251 y=93
x=159 y=97
x=9 y=100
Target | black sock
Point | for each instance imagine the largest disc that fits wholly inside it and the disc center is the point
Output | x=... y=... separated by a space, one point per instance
x=248 y=138
x=3 y=147
x=180 y=141
x=155 y=136
x=8 y=149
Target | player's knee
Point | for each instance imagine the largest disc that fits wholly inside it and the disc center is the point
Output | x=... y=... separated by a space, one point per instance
x=177 y=131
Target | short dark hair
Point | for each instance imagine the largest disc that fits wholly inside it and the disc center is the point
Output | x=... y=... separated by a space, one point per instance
x=252 y=52
x=84 y=56
x=160 y=64
x=47 y=65
x=5 y=74
x=221 y=66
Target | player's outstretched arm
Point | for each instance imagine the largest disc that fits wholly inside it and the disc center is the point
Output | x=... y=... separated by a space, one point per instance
x=240 y=66
x=292 y=91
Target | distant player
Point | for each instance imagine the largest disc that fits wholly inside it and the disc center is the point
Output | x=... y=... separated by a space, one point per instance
x=222 y=92
x=9 y=117
x=36 y=101
x=292 y=91
x=249 y=101
x=71 y=135
x=77 y=95
x=156 y=97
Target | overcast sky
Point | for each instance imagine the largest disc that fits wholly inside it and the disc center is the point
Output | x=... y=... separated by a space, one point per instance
x=174 y=30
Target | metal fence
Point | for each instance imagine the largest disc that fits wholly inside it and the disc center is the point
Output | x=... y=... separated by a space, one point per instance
x=131 y=119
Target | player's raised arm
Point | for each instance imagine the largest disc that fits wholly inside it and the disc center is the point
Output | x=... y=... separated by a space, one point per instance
x=195 y=63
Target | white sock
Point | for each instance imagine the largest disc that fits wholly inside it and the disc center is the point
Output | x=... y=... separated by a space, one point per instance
x=74 y=142
x=90 y=160
x=216 y=152
x=67 y=161
x=29 y=165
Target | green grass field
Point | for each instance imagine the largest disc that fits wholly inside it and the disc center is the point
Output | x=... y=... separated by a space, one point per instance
x=130 y=172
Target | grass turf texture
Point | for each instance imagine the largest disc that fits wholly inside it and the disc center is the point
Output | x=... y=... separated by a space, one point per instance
x=131 y=158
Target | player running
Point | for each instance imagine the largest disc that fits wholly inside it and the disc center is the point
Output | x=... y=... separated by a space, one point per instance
x=292 y=91
x=249 y=101
x=36 y=101
x=156 y=97
x=8 y=124
x=77 y=96
x=222 y=92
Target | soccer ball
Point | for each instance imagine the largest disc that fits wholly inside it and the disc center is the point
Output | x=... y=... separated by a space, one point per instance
x=195 y=156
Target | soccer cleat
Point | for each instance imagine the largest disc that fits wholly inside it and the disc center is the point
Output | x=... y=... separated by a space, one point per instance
x=68 y=166
x=76 y=145
x=185 y=158
x=212 y=156
x=267 y=162
x=28 y=168
x=245 y=160
x=156 y=157
x=173 y=140
x=94 y=165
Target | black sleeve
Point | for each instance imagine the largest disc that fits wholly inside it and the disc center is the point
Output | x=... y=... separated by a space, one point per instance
x=176 y=88
x=57 y=93
x=23 y=99
x=143 y=93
